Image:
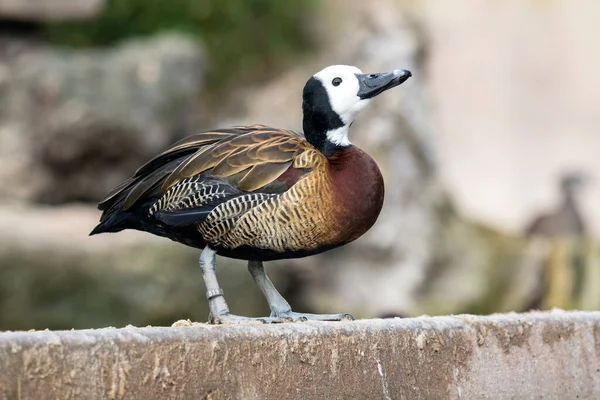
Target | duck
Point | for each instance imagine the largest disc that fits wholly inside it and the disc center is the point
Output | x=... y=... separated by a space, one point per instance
x=561 y=275
x=258 y=193
x=566 y=220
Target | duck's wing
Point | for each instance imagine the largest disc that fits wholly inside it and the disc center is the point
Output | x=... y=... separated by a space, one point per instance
x=247 y=159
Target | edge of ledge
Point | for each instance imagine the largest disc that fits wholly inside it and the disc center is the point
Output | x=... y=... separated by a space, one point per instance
x=205 y=331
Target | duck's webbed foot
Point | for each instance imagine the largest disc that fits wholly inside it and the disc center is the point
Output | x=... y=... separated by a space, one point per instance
x=296 y=316
x=275 y=319
x=228 y=318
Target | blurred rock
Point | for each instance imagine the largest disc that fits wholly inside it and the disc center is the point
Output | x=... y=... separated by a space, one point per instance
x=75 y=123
x=50 y=10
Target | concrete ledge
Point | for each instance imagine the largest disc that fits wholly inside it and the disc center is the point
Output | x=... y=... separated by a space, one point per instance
x=539 y=355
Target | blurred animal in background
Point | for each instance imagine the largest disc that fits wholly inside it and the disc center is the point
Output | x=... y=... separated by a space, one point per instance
x=561 y=233
x=258 y=193
x=566 y=221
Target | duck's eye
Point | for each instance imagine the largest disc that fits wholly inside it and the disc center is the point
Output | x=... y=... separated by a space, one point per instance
x=336 y=81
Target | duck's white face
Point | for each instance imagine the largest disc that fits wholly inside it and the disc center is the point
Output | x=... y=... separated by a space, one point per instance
x=349 y=91
x=342 y=86
x=332 y=98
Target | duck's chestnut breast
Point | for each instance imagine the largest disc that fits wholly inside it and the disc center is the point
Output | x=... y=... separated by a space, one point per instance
x=357 y=191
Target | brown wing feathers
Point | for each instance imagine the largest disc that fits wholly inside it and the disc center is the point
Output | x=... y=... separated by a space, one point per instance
x=252 y=156
x=262 y=150
x=262 y=174
x=155 y=169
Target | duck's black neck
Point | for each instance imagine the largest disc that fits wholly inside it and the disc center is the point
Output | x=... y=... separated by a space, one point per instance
x=319 y=118
x=316 y=134
x=569 y=198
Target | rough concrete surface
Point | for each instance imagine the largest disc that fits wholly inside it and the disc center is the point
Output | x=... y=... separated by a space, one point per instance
x=514 y=356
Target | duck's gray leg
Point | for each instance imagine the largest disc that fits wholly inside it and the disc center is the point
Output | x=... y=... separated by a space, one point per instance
x=280 y=308
x=219 y=311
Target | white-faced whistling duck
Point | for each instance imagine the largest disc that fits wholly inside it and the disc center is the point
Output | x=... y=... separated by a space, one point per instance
x=258 y=193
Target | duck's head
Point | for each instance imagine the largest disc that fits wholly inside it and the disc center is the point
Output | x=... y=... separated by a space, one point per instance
x=571 y=182
x=332 y=98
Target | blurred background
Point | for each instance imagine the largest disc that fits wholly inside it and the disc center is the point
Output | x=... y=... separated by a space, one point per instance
x=490 y=153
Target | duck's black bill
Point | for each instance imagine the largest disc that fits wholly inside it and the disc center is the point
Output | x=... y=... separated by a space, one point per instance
x=370 y=85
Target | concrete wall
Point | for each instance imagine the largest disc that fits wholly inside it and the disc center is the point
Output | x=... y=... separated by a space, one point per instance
x=516 y=356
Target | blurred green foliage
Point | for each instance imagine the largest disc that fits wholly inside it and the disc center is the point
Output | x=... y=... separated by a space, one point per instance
x=244 y=38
